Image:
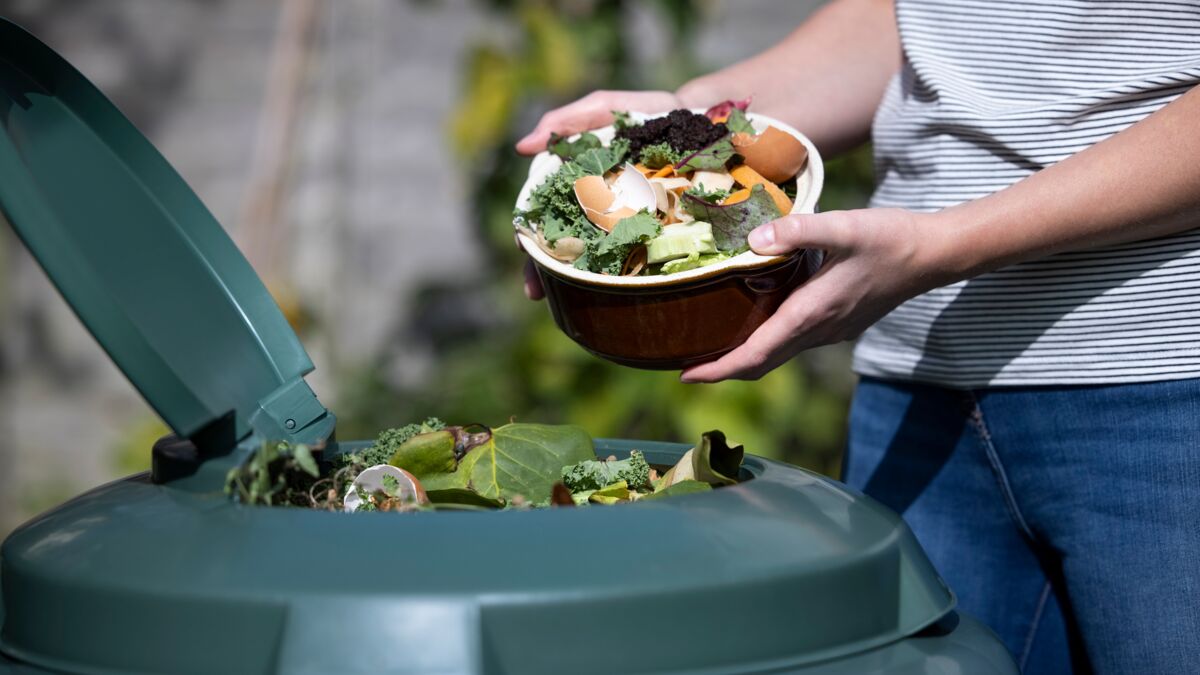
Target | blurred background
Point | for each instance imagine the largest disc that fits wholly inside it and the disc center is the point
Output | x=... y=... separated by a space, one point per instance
x=359 y=151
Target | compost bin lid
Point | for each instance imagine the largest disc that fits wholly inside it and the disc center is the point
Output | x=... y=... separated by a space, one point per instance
x=142 y=262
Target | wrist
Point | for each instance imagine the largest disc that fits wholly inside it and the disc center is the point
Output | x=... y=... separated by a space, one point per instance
x=950 y=252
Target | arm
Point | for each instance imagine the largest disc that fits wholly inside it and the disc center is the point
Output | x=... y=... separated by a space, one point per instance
x=1139 y=184
x=826 y=78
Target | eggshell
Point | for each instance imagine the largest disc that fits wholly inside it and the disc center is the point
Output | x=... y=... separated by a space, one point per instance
x=567 y=249
x=607 y=221
x=666 y=191
x=371 y=480
x=605 y=207
x=775 y=154
x=592 y=193
x=712 y=180
x=632 y=189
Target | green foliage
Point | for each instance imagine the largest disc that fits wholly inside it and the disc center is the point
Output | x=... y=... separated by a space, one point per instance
x=712 y=158
x=553 y=203
x=607 y=254
x=658 y=155
x=568 y=149
x=388 y=441
x=391 y=486
x=739 y=123
x=702 y=193
x=623 y=120
x=595 y=474
x=732 y=223
x=131 y=452
x=277 y=474
x=686 y=487
x=497 y=466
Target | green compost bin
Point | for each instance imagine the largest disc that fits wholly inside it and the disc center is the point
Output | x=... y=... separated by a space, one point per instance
x=161 y=573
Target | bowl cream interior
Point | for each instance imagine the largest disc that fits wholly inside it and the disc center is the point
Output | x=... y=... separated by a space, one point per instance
x=808 y=189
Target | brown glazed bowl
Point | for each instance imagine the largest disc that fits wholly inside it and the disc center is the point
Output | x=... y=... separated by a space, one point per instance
x=672 y=321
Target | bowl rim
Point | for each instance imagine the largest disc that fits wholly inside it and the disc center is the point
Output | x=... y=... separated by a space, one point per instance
x=545 y=163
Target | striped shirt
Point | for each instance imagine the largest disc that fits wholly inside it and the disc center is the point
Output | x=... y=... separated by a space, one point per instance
x=992 y=91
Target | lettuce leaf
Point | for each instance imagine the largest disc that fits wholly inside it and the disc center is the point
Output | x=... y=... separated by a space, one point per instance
x=732 y=224
x=692 y=262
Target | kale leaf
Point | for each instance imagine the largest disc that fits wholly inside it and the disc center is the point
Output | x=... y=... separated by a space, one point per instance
x=710 y=196
x=596 y=475
x=553 y=205
x=607 y=254
x=658 y=155
x=568 y=149
x=387 y=442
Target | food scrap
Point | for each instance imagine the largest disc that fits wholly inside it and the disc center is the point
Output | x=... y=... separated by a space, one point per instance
x=667 y=195
x=432 y=466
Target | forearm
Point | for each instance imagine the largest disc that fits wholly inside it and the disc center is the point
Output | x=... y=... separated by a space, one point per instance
x=1141 y=183
x=825 y=79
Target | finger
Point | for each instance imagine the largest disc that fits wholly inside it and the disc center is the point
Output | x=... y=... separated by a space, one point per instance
x=589 y=112
x=765 y=350
x=786 y=333
x=533 y=284
x=825 y=231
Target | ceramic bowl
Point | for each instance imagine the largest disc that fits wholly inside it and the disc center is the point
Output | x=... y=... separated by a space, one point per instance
x=672 y=321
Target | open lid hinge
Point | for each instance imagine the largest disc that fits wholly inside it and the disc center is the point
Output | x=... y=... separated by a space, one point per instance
x=292 y=413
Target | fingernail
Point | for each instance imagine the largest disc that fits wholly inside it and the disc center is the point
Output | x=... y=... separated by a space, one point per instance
x=762 y=236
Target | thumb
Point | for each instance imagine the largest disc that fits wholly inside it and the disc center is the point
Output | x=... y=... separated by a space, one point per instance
x=823 y=231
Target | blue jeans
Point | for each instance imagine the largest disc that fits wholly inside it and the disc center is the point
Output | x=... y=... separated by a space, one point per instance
x=1066 y=518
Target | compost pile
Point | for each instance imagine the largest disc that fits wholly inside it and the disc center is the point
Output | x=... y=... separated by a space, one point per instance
x=671 y=194
x=429 y=466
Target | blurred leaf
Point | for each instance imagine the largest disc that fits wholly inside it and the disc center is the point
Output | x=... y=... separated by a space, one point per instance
x=555 y=63
x=483 y=115
x=132 y=452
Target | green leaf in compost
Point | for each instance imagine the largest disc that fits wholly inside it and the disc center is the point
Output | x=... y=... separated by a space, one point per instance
x=525 y=459
x=568 y=149
x=738 y=122
x=683 y=487
x=304 y=459
x=712 y=461
x=710 y=158
x=611 y=494
x=427 y=455
x=732 y=223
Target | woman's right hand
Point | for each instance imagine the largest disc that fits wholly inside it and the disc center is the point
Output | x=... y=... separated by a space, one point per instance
x=594 y=111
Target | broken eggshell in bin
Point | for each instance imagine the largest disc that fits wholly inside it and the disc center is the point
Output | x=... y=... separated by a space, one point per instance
x=370 y=481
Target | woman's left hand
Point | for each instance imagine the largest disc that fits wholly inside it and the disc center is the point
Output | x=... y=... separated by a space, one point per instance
x=875 y=259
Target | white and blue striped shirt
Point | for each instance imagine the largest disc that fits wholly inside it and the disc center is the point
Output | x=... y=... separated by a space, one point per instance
x=990 y=92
